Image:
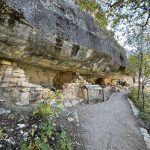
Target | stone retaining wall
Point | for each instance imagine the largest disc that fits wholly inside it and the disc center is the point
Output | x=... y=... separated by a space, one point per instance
x=15 y=87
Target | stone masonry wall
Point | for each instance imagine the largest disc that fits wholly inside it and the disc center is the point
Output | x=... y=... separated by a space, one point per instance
x=15 y=87
x=76 y=90
x=21 y=84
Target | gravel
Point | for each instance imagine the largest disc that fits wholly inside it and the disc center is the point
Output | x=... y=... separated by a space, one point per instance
x=110 y=125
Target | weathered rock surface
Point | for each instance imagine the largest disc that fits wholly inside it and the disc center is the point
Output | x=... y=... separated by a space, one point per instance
x=57 y=34
x=46 y=43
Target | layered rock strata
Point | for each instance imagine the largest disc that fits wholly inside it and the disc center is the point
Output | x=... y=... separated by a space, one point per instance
x=57 y=34
x=49 y=41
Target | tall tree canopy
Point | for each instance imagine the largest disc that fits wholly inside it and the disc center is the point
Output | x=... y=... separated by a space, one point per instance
x=133 y=12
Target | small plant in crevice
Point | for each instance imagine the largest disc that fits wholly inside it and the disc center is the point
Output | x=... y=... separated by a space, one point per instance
x=48 y=135
x=1 y=133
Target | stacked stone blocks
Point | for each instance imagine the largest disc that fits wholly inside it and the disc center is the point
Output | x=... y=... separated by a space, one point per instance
x=15 y=87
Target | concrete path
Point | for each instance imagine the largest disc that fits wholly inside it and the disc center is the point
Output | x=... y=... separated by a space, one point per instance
x=110 y=125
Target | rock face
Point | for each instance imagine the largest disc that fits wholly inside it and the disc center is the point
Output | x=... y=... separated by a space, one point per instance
x=46 y=42
x=57 y=34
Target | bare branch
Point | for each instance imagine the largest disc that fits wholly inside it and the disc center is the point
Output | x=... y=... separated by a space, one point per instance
x=119 y=3
x=146 y=20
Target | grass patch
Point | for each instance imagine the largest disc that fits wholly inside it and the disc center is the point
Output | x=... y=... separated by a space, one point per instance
x=143 y=114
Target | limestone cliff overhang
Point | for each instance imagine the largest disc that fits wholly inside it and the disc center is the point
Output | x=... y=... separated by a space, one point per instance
x=56 y=34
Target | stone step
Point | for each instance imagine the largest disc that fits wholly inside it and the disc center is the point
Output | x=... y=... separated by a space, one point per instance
x=4 y=111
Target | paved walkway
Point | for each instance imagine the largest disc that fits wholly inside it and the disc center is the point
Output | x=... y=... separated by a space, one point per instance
x=110 y=126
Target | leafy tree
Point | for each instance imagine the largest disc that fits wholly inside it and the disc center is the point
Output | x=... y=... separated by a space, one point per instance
x=140 y=61
x=132 y=68
x=120 y=15
x=134 y=12
x=95 y=9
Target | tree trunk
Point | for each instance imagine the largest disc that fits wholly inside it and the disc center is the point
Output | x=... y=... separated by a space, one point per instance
x=140 y=74
x=143 y=96
x=143 y=86
x=133 y=83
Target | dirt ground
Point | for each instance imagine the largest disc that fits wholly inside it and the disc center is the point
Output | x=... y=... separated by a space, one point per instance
x=103 y=126
x=110 y=125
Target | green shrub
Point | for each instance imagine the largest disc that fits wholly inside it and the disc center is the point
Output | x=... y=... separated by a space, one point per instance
x=49 y=135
